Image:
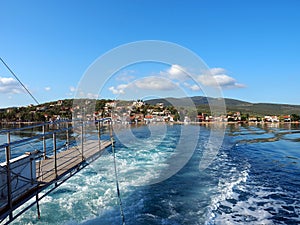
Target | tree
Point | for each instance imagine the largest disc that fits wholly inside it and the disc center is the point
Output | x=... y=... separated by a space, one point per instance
x=244 y=117
x=295 y=117
x=39 y=117
x=176 y=116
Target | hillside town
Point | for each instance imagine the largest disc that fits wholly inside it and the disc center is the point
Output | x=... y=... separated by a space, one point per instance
x=128 y=112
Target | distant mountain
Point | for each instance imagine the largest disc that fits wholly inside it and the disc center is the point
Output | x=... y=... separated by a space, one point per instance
x=232 y=105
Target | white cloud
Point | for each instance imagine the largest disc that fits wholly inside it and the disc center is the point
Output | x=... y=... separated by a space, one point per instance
x=126 y=76
x=217 y=77
x=176 y=72
x=175 y=77
x=155 y=83
x=120 y=89
x=193 y=87
x=216 y=71
x=213 y=77
x=148 y=83
x=113 y=90
x=47 y=88
x=10 y=86
x=72 y=89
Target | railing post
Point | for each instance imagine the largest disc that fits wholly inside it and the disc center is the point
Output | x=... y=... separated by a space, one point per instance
x=68 y=141
x=37 y=205
x=55 y=156
x=110 y=128
x=8 y=142
x=99 y=135
x=111 y=133
x=44 y=142
x=82 y=136
x=8 y=177
x=31 y=170
x=84 y=131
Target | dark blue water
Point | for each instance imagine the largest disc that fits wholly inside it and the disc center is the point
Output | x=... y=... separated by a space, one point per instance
x=254 y=179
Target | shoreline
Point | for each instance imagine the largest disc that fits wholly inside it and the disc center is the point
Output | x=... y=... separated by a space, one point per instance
x=20 y=122
x=173 y=122
x=236 y=122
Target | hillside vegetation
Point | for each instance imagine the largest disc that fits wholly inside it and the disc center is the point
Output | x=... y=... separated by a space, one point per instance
x=232 y=105
x=63 y=108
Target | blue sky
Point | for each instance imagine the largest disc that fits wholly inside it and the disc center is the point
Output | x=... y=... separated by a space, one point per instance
x=252 y=47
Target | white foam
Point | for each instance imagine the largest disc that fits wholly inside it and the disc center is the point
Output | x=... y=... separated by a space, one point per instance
x=225 y=190
x=255 y=209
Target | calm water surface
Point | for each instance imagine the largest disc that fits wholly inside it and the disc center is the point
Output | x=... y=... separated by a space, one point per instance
x=255 y=179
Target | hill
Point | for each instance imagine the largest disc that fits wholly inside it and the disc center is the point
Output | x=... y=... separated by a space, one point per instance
x=63 y=108
x=232 y=105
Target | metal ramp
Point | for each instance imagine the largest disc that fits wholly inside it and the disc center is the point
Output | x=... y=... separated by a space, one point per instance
x=57 y=157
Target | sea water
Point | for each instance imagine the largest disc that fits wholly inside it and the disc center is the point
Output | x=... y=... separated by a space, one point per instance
x=254 y=179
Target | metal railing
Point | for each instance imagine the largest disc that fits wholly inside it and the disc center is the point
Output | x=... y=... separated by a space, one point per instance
x=50 y=153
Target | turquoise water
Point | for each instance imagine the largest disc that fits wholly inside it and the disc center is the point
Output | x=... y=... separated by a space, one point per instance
x=254 y=179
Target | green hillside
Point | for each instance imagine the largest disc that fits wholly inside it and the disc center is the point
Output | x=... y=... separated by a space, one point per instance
x=232 y=105
x=183 y=105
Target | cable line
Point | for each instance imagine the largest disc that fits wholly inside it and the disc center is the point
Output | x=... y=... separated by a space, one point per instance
x=36 y=101
x=116 y=174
